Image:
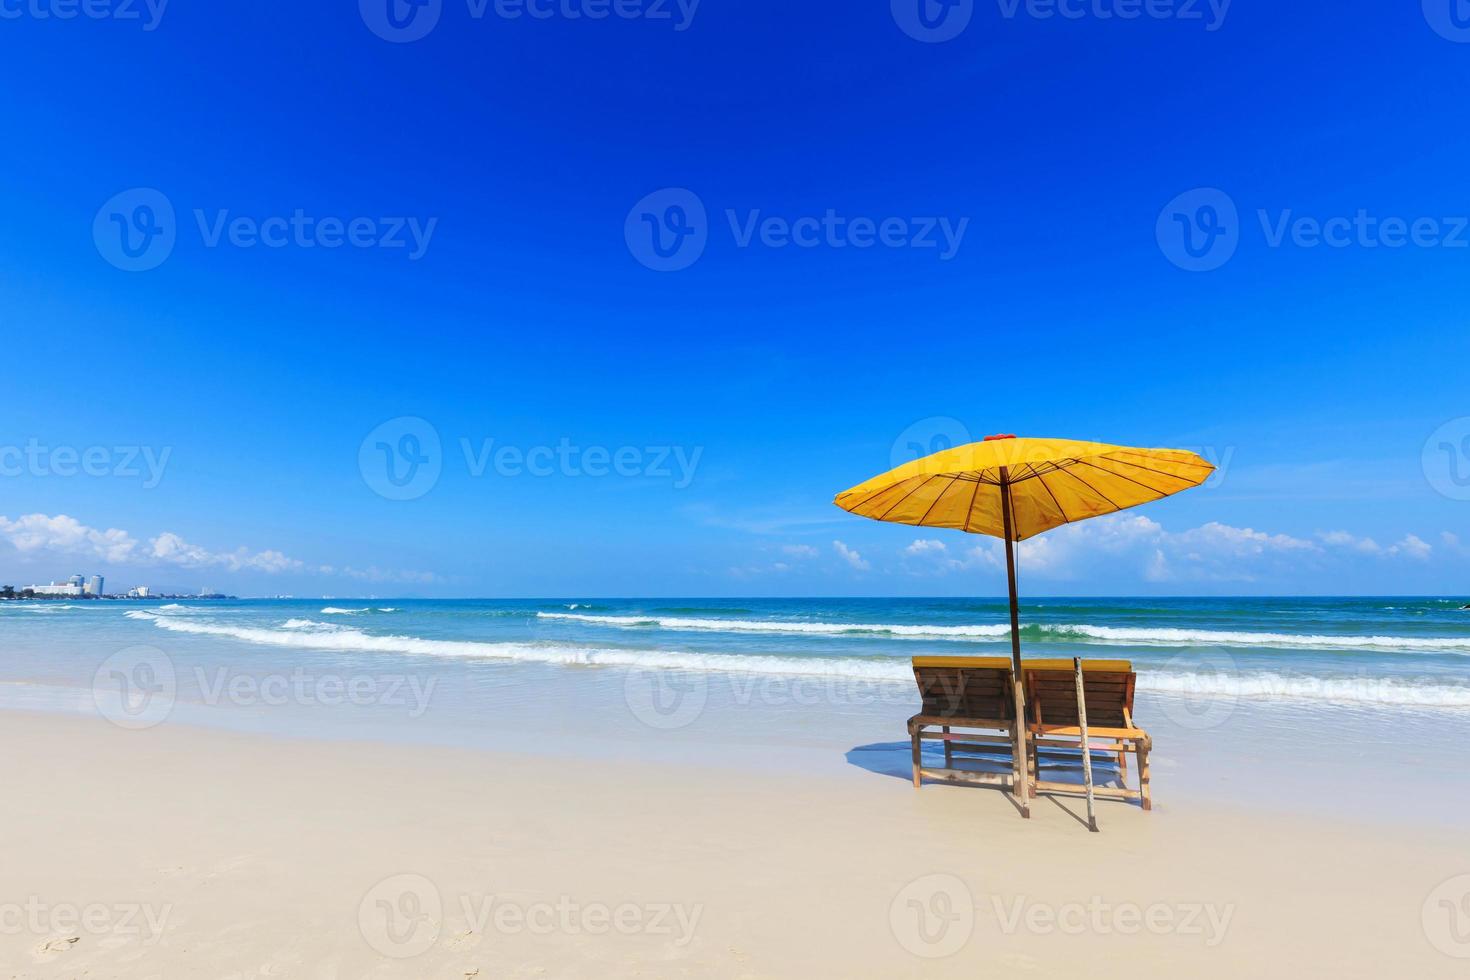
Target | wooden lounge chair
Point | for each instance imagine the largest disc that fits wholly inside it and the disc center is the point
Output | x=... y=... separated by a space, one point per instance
x=977 y=694
x=1054 y=722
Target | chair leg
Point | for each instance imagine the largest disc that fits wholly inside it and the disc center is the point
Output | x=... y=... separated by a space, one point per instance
x=1123 y=765
x=1143 y=775
x=1033 y=768
x=914 y=736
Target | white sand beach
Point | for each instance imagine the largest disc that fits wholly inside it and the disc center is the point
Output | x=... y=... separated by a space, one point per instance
x=181 y=851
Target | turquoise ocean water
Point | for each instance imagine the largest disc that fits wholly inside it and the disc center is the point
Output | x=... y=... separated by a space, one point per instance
x=1369 y=653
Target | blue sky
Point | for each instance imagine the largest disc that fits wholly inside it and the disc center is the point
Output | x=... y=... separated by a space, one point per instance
x=498 y=173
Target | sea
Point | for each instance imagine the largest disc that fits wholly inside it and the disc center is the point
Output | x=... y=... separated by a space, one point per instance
x=1387 y=653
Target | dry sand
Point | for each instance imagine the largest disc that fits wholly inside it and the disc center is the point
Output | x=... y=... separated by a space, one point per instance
x=178 y=852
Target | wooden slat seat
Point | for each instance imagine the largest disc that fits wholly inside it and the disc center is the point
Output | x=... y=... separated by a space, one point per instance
x=977 y=694
x=1053 y=720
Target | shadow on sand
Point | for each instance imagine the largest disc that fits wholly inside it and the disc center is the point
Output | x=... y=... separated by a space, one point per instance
x=893 y=759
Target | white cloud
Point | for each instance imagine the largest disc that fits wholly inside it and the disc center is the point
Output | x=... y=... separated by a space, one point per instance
x=1409 y=546
x=930 y=556
x=39 y=536
x=36 y=534
x=1120 y=545
x=800 y=550
x=850 y=556
x=171 y=549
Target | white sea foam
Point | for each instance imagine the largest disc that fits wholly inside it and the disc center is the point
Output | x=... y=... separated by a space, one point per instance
x=1081 y=632
x=1360 y=691
x=338 y=611
x=1241 y=638
x=323 y=636
x=309 y=624
x=778 y=626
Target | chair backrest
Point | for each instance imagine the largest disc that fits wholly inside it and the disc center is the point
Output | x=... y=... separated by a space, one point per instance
x=966 y=687
x=1051 y=691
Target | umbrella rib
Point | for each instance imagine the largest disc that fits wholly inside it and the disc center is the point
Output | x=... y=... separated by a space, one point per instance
x=937 y=498
x=1094 y=489
x=884 y=515
x=1060 y=509
x=1146 y=469
x=872 y=496
x=970 y=511
x=1181 y=462
x=1122 y=477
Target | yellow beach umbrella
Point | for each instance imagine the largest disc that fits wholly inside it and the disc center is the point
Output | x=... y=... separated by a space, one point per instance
x=1014 y=488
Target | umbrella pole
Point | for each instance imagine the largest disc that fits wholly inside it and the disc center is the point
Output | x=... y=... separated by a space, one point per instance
x=1023 y=773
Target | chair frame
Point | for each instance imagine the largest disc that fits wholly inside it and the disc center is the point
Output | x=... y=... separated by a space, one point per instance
x=981 y=735
x=1118 y=741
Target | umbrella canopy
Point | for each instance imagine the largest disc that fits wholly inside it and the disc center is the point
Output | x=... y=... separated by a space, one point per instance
x=1050 y=482
x=1015 y=488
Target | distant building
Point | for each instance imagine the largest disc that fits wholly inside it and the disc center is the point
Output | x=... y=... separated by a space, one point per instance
x=94 y=585
x=57 y=588
x=138 y=592
x=75 y=580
